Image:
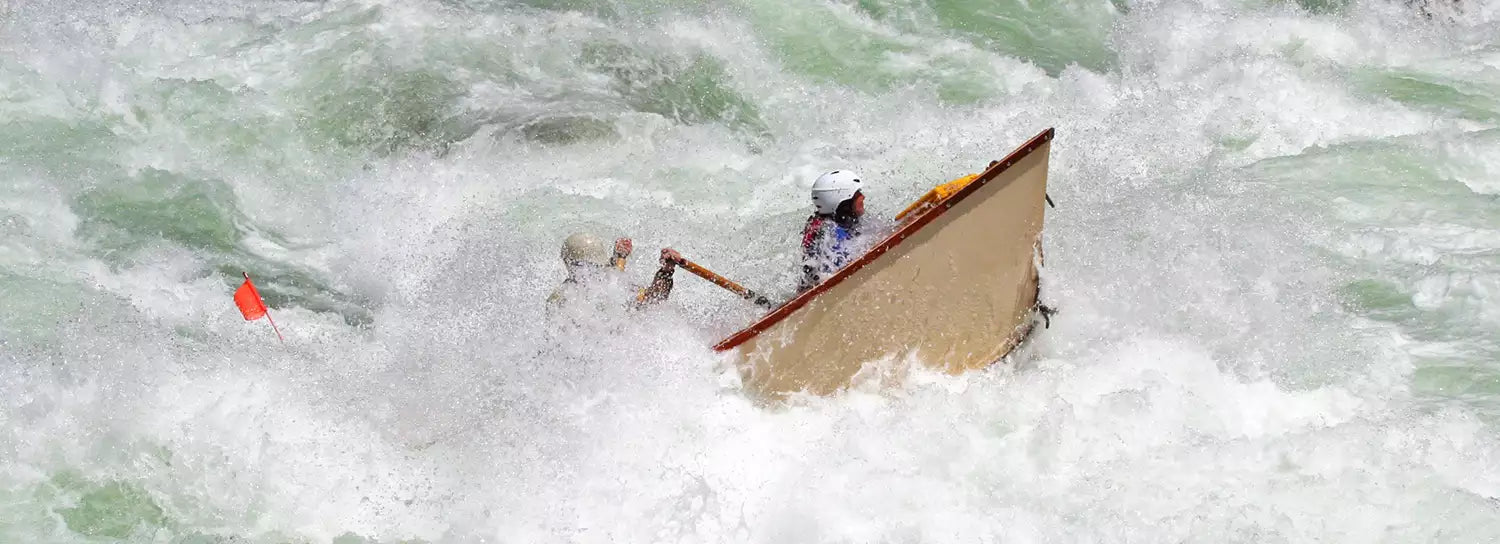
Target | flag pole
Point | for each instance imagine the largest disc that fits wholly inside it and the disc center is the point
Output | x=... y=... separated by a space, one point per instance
x=273 y=327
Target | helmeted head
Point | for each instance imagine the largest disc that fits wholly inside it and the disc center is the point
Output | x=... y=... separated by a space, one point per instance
x=835 y=188
x=582 y=248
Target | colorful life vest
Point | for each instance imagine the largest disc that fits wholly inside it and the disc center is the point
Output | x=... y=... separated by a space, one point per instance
x=826 y=247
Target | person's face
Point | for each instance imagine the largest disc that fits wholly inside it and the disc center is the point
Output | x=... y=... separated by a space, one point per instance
x=859 y=203
x=584 y=270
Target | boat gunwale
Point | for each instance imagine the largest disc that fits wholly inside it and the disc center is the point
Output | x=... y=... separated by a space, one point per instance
x=891 y=241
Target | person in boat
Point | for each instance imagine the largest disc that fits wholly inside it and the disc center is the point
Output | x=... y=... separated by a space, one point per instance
x=592 y=266
x=833 y=236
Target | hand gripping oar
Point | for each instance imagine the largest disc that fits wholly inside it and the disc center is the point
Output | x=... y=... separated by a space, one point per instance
x=721 y=281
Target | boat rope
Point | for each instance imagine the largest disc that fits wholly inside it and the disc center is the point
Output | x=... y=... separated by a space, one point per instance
x=1046 y=312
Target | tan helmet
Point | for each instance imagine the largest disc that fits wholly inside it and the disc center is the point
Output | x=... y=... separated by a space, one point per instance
x=582 y=247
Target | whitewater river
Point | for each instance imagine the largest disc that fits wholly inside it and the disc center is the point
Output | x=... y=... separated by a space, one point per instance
x=1276 y=251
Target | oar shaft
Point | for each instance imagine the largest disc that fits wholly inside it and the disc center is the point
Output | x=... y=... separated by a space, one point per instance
x=709 y=275
x=724 y=282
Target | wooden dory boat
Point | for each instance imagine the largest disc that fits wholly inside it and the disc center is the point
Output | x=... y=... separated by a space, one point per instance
x=955 y=286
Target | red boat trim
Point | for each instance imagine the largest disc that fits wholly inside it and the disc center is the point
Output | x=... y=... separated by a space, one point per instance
x=885 y=245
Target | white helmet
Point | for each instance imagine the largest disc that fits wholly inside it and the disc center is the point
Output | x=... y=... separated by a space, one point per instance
x=833 y=188
x=582 y=247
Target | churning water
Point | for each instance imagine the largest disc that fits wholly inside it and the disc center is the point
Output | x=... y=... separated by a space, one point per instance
x=1276 y=250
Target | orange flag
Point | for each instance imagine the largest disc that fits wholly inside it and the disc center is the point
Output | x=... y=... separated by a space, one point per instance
x=251 y=305
x=249 y=301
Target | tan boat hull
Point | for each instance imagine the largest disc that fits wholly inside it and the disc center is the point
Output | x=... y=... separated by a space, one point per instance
x=955 y=287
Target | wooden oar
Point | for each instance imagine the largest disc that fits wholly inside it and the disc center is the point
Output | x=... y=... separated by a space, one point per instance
x=721 y=281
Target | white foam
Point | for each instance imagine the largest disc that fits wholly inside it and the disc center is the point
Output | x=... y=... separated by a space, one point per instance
x=1202 y=382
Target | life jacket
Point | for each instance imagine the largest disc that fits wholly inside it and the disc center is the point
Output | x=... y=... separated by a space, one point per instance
x=826 y=247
